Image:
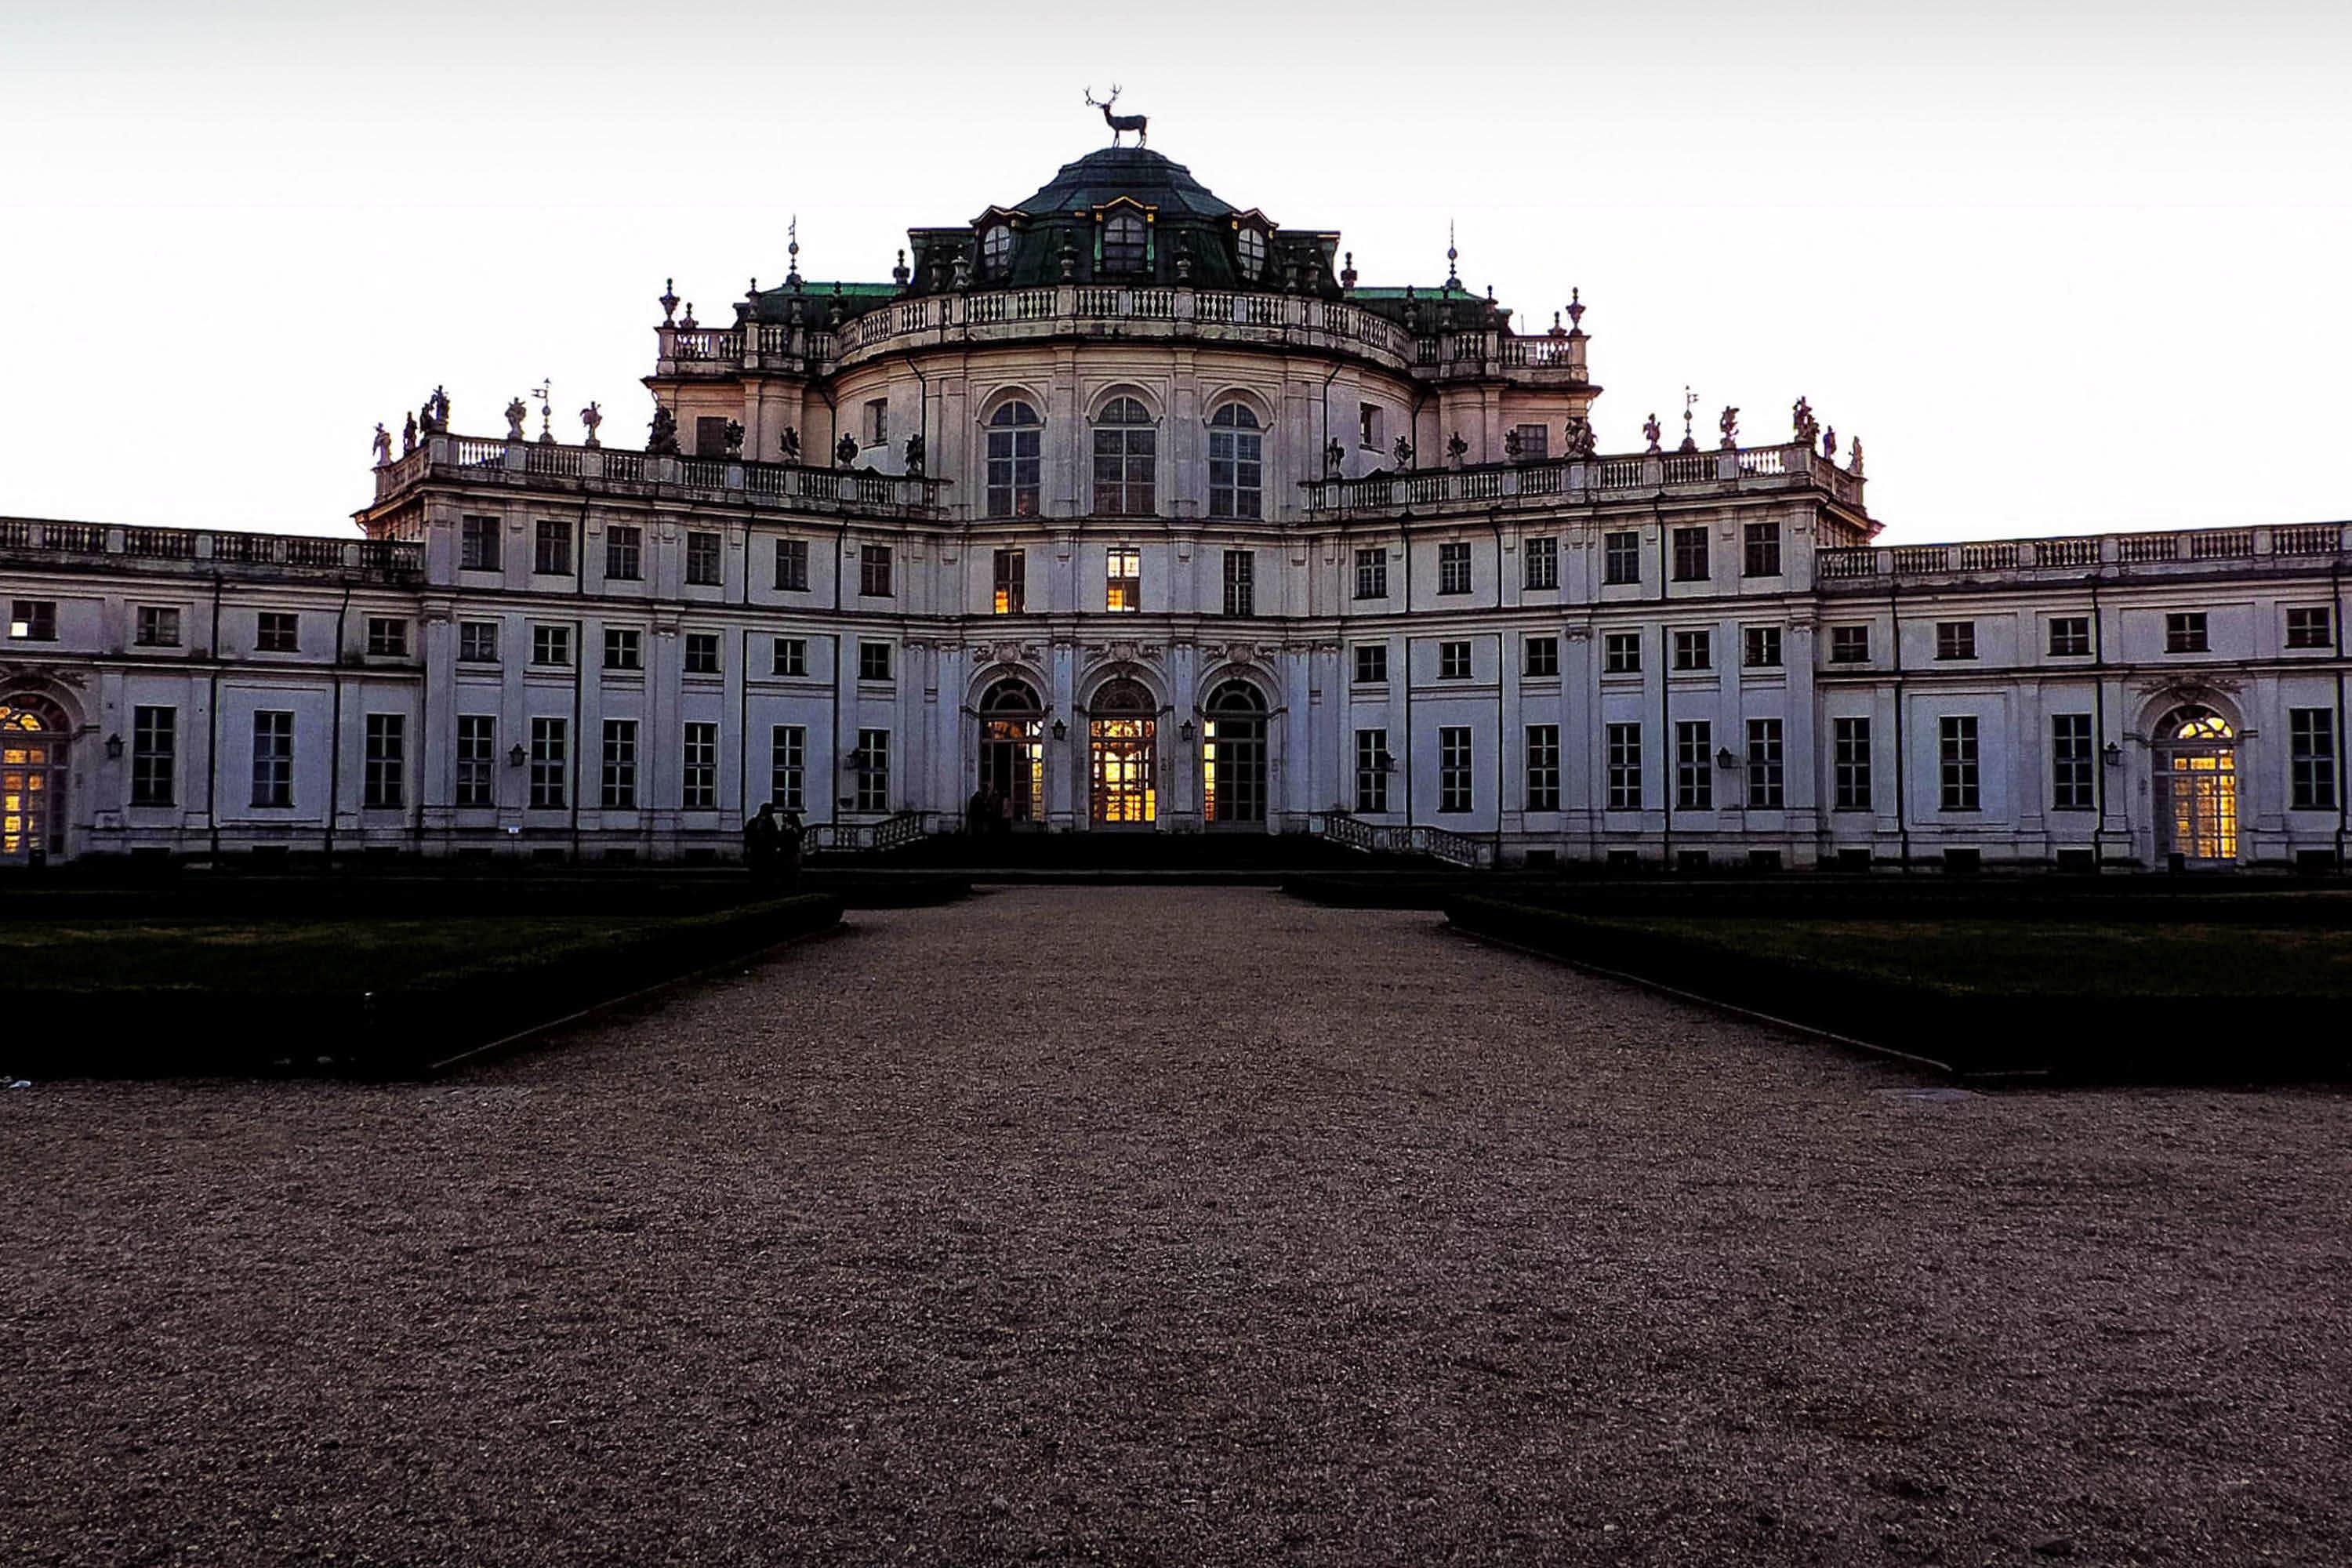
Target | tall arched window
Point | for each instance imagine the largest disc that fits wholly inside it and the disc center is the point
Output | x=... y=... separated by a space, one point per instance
x=1122 y=755
x=1251 y=243
x=1123 y=245
x=1013 y=461
x=1236 y=470
x=2197 y=784
x=34 y=736
x=1011 y=752
x=1233 y=754
x=996 y=250
x=1126 y=459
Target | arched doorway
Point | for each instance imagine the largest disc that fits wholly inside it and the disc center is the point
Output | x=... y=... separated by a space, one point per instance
x=2196 y=754
x=1232 y=755
x=1122 y=755
x=33 y=738
x=1012 y=748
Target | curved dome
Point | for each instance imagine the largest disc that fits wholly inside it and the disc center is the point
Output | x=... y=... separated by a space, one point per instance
x=1136 y=173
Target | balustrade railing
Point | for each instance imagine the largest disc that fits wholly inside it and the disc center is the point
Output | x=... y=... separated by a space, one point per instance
x=476 y=458
x=200 y=547
x=2185 y=546
x=1493 y=482
x=1437 y=843
x=2065 y=553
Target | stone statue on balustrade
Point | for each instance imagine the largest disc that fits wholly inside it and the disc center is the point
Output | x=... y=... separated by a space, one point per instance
x=1801 y=420
x=1651 y=431
x=1581 y=441
x=591 y=416
x=733 y=434
x=915 y=456
x=1729 y=424
x=1404 y=453
x=1456 y=448
x=383 y=445
x=844 y=451
x=516 y=412
x=790 y=444
x=435 y=419
x=408 y=436
x=1511 y=443
x=1854 y=458
x=1829 y=443
x=661 y=440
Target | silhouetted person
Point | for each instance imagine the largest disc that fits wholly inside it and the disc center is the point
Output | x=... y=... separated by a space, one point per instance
x=975 y=812
x=789 y=840
x=764 y=844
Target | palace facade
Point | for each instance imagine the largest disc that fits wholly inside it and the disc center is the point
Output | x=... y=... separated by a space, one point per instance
x=1140 y=509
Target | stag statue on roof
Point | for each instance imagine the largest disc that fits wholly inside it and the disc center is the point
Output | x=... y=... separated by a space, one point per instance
x=1119 y=123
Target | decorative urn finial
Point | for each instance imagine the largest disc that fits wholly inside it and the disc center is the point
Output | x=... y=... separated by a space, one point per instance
x=1576 y=308
x=668 y=301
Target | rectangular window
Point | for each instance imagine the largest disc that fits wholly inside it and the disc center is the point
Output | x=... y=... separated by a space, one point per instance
x=791 y=565
x=1850 y=764
x=617 y=765
x=1453 y=768
x=704 y=563
x=1621 y=653
x=273 y=758
x=791 y=655
x=550 y=553
x=873 y=767
x=1766 y=780
x=384 y=761
x=1543 y=767
x=1241 y=581
x=1126 y=460
x=387 y=637
x=1762 y=558
x=1956 y=758
x=1372 y=768
x=873 y=661
x=2312 y=625
x=624 y=648
x=1759 y=647
x=1693 y=765
x=787 y=759
x=2184 y=632
x=1848 y=645
x=2074 y=779
x=625 y=553
x=478 y=642
x=477 y=758
x=2069 y=637
x=1370 y=426
x=711 y=436
x=877 y=422
x=1624 y=760
x=158 y=626
x=874 y=562
x=1620 y=557
x=1453 y=568
x=1123 y=579
x=1956 y=639
x=33 y=620
x=551 y=643
x=551 y=747
x=1453 y=661
x=1694 y=648
x=478 y=545
x=1371 y=663
x=274 y=631
x=1543 y=563
x=698 y=777
x=1530 y=443
x=1690 y=556
x=2311 y=758
x=1543 y=656
x=1371 y=573
x=154 y=755
x=702 y=653
x=1011 y=581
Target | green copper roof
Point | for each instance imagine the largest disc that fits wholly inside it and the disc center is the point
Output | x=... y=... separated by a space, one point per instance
x=1133 y=172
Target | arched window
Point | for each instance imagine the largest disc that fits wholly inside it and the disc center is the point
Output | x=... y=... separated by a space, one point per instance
x=1122 y=758
x=996 y=250
x=2197 y=784
x=1011 y=696
x=1233 y=754
x=1236 y=470
x=1126 y=460
x=1123 y=245
x=34 y=736
x=1250 y=243
x=1013 y=461
x=1011 y=755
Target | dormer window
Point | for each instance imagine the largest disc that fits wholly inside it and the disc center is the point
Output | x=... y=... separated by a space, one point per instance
x=1123 y=243
x=1252 y=244
x=996 y=249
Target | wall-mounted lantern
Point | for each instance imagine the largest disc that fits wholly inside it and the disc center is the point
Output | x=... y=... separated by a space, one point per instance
x=517 y=756
x=2115 y=754
x=1061 y=731
x=114 y=747
x=1725 y=757
x=1184 y=732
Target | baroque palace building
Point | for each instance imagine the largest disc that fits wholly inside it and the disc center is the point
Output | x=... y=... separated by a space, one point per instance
x=1141 y=509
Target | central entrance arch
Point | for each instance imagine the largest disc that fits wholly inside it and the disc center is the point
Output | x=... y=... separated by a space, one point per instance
x=1012 y=748
x=2196 y=756
x=1122 y=756
x=1232 y=755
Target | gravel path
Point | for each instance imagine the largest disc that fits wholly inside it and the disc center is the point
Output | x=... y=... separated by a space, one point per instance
x=1164 y=1227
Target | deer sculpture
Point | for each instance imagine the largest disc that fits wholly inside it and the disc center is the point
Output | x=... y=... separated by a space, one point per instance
x=1119 y=123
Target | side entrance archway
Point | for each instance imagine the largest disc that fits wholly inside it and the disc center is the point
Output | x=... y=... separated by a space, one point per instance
x=33 y=738
x=2196 y=762
x=1012 y=748
x=1232 y=755
x=1122 y=756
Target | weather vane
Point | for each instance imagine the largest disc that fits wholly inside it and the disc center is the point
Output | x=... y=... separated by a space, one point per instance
x=546 y=413
x=1690 y=401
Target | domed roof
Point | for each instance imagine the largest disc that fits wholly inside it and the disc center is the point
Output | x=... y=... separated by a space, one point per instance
x=1136 y=173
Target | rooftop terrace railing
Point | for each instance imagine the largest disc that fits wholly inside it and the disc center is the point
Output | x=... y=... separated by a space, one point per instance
x=200 y=549
x=2083 y=553
x=1575 y=480
x=1081 y=309
x=790 y=485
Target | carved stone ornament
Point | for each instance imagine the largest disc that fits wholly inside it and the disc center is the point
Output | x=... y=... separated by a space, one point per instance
x=1010 y=653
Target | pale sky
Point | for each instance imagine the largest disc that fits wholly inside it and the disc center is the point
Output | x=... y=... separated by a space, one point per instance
x=2062 y=266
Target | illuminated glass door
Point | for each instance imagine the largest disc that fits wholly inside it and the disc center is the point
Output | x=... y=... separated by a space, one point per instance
x=1232 y=755
x=1121 y=743
x=1012 y=749
x=31 y=772
x=2196 y=786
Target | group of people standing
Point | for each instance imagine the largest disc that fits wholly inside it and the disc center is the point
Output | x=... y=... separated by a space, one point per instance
x=990 y=810
x=772 y=846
